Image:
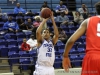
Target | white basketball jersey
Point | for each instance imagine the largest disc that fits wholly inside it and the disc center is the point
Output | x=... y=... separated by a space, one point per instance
x=46 y=54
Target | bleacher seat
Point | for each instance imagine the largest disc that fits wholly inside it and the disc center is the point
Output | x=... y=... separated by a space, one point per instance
x=61 y=48
x=4 y=51
x=12 y=43
x=21 y=36
x=3 y=43
x=57 y=63
x=75 y=60
x=11 y=53
x=25 y=55
x=59 y=43
x=20 y=33
x=19 y=41
x=73 y=51
x=81 y=56
x=74 y=57
x=80 y=40
x=25 y=63
x=81 y=50
x=75 y=46
x=14 y=48
x=57 y=53
x=14 y=58
x=81 y=46
x=22 y=52
x=33 y=53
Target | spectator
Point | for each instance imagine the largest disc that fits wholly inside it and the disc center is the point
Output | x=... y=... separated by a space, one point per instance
x=45 y=5
x=3 y=16
x=32 y=42
x=84 y=11
x=61 y=8
x=62 y=35
x=63 y=19
x=29 y=24
x=37 y=22
x=29 y=13
x=45 y=26
x=11 y=25
x=19 y=10
x=78 y=19
x=21 y=24
x=25 y=46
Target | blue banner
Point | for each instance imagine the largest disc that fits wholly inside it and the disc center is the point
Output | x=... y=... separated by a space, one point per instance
x=12 y=2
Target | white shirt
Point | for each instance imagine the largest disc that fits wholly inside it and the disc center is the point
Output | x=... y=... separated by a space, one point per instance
x=46 y=54
x=32 y=43
x=82 y=11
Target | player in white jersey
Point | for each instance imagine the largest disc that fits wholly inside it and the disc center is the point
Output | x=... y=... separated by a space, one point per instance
x=46 y=54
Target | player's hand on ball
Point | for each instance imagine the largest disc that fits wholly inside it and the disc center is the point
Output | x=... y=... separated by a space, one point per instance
x=66 y=64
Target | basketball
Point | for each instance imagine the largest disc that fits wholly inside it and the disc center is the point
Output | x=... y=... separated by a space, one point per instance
x=45 y=13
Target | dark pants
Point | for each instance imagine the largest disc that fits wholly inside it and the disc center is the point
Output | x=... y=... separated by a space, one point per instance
x=85 y=16
x=32 y=68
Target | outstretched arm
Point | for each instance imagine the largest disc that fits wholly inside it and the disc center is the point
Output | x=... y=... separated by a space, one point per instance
x=56 y=34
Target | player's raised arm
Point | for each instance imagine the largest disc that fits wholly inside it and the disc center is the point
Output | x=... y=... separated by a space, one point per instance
x=56 y=34
x=39 y=31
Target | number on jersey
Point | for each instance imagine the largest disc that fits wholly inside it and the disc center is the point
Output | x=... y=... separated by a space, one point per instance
x=49 y=52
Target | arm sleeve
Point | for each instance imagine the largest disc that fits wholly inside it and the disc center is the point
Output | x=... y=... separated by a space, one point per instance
x=30 y=43
x=22 y=46
x=15 y=11
x=23 y=11
x=17 y=27
x=57 y=8
x=80 y=10
x=65 y=7
x=5 y=26
x=29 y=46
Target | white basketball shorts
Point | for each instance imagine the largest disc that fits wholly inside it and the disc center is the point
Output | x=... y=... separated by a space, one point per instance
x=44 y=70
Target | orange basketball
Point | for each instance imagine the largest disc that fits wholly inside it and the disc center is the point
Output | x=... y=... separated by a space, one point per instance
x=46 y=13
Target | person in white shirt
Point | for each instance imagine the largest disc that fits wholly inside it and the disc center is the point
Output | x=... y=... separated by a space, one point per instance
x=84 y=11
x=32 y=42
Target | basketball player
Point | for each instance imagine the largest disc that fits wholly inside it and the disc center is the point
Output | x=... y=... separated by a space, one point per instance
x=91 y=61
x=46 y=55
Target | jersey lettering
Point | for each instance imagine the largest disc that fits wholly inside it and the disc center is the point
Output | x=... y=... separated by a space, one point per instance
x=48 y=55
